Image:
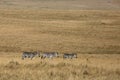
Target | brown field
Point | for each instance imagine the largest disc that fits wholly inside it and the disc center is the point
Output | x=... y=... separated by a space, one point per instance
x=86 y=67
x=80 y=31
x=93 y=34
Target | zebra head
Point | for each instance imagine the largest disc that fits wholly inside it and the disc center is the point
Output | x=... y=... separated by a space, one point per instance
x=75 y=55
x=56 y=54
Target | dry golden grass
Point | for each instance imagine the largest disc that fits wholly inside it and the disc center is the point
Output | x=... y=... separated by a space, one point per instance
x=63 y=31
x=82 y=31
x=86 y=67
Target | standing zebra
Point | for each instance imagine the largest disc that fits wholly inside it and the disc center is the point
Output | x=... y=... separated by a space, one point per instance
x=49 y=55
x=70 y=55
x=30 y=55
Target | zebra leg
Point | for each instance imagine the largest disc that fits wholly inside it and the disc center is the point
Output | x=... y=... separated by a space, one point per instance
x=51 y=57
x=41 y=57
x=31 y=58
x=23 y=57
x=44 y=57
x=70 y=57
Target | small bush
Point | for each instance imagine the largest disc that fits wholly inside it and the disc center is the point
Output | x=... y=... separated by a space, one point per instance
x=85 y=72
x=13 y=62
x=12 y=65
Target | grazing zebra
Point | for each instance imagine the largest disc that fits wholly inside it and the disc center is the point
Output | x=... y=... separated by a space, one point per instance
x=30 y=55
x=49 y=55
x=70 y=55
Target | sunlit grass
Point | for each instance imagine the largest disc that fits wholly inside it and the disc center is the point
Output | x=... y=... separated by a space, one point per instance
x=93 y=35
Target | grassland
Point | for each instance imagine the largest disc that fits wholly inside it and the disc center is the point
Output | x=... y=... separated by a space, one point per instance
x=93 y=34
x=86 y=67
x=62 y=31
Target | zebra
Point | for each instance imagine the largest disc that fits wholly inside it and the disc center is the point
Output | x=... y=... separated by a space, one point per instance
x=70 y=55
x=30 y=55
x=49 y=55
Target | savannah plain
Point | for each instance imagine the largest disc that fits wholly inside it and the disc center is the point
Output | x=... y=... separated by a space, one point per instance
x=93 y=34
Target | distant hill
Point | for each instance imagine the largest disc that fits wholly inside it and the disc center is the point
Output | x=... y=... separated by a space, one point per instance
x=62 y=4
